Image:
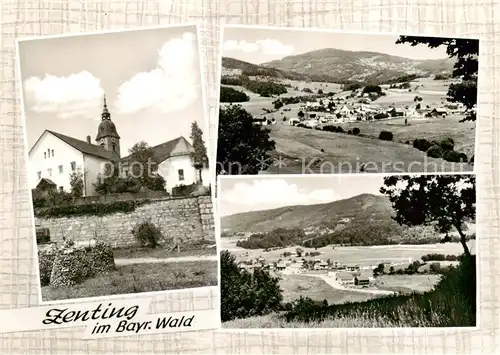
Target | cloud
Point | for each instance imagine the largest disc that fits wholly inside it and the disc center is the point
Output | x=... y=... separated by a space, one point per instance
x=276 y=192
x=265 y=46
x=66 y=96
x=171 y=86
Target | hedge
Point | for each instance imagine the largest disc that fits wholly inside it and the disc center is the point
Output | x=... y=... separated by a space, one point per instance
x=183 y=190
x=95 y=209
x=46 y=257
x=73 y=265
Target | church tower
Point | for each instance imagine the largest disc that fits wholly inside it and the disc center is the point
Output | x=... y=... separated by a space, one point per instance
x=107 y=137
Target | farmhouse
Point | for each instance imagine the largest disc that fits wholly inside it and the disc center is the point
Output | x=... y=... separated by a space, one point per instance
x=345 y=278
x=280 y=266
x=293 y=269
x=55 y=157
x=262 y=121
x=439 y=112
x=362 y=280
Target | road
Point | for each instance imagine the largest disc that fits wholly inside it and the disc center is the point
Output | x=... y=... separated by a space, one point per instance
x=334 y=284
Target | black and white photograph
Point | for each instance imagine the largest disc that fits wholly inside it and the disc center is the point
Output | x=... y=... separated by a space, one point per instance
x=348 y=251
x=118 y=168
x=304 y=101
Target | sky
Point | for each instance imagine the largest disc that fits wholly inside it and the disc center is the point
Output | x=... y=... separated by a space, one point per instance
x=246 y=193
x=256 y=45
x=151 y=79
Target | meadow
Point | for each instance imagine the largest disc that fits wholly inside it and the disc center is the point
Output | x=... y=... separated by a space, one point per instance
x=463 y=133
x=305 y=150
x=294 y=286
x=142 y=277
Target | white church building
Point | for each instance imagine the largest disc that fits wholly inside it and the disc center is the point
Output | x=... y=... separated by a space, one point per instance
x=54 y=156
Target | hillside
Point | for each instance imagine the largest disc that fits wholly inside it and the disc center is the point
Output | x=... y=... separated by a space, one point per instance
x=364 y=207
x=249 y=69
x=360 y=66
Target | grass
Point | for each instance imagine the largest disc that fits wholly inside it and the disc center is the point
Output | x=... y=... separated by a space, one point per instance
x=138 y=278
x=298 y=147
x=276 y=320
x=294 y=286
x=431 y=129
x=138 y=253
x=407 y=283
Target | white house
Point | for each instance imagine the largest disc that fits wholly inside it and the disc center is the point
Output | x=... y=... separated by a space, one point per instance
x=54 y=156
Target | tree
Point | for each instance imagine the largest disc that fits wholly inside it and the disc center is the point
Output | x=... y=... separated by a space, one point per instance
x=241 y=143
x=448 y=201
x=144 y=167
x=466 y=52
x=76 y=183
x=301 y=114
x=199 y=155
x=245 y=294
x=299 y=252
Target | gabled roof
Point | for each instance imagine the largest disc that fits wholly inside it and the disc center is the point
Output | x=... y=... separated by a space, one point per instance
x=84 y=147
x=345 y=276
x=161 y=152
x=46 y=182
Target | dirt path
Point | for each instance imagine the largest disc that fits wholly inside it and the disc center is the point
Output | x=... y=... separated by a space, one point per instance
x=179 y=259
x=334 y=284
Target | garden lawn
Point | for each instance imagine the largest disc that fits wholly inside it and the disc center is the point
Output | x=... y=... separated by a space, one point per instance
x=159 y=253
x=136 y=278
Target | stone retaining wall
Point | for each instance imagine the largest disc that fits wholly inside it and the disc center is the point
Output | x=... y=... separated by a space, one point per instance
x=181 y=220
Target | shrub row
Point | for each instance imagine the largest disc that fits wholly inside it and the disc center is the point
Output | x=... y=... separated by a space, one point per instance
x=183 y=190
x=443 y=149
x=95 y=209
x=440 y=257
x=338 y=129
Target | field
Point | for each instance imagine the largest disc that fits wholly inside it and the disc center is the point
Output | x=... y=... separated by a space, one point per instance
x=407 y=283
x=300 y=150
x=431 y=129
x=363 y=256
x=137 y=278
x=294 y=286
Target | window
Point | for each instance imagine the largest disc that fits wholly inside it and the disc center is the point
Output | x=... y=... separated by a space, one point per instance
x=48 y=153
x=73 y=166
x=49 y=171
x=39 y=173
x=181 y=174
x=52 y=153
x=45 y=155
x=60 y=169
x=102 y=145
x=113 y=146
